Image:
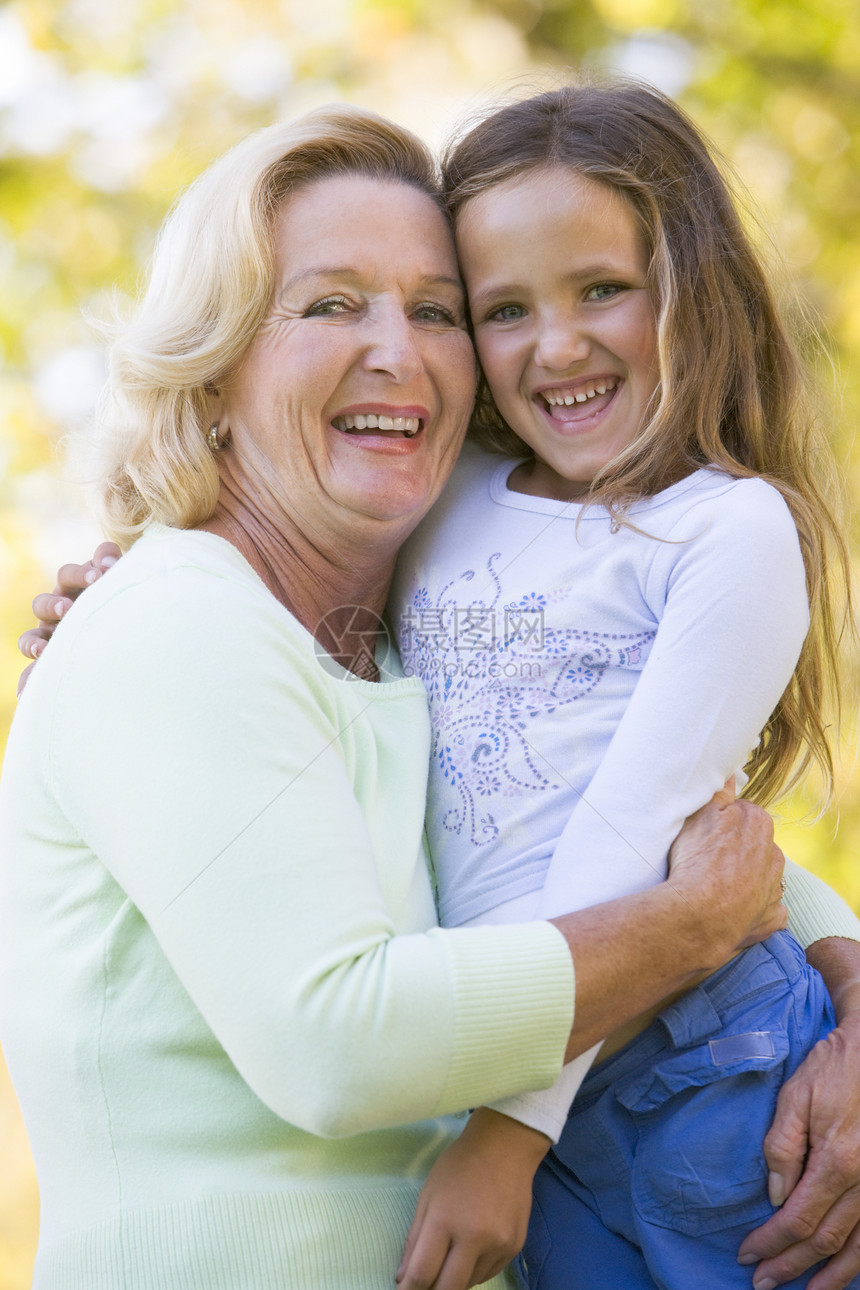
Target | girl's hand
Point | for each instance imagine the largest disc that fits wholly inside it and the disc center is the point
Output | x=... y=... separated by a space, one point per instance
x=473 y=1211
x=49 y=607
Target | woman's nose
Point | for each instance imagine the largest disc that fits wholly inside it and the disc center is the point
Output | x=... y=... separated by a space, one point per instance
x=561 y=342
x=393 y=347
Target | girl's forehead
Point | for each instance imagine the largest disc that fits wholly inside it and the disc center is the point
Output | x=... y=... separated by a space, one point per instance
x=554 y=205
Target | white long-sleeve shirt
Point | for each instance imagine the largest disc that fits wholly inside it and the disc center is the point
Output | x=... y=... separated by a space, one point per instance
x=591 y=684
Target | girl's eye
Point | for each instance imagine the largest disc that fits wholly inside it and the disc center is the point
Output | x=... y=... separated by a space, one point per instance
x=327 y=307
x=428 y=312
x=507 y=313
x=604 y=291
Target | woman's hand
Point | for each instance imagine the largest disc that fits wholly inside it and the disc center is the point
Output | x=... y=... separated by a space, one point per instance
x=49 y=607
x=727 y=864
x=722 y=894
x=473 y=1211
x=813 y=1148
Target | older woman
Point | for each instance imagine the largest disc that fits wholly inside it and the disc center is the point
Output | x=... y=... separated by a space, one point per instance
x=227 y=1009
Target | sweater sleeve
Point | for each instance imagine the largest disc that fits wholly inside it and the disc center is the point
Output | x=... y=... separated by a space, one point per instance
x=728 y=589
x=815 y=910
x=202 y=759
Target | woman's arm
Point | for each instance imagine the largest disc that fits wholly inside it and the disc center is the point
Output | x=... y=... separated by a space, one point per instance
x=191 y=753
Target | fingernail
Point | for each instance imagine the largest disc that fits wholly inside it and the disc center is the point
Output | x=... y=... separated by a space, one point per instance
x=775 y=1189
x=36 y=648
x=107 y=560
x=746 y=1259
x=59 y=608
x=91 y=575
x=767 y=1283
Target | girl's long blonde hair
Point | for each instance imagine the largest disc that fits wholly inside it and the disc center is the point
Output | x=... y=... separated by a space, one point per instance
x=733 y=391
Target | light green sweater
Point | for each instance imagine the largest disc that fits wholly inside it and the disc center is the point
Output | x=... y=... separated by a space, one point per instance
x=226 y=1007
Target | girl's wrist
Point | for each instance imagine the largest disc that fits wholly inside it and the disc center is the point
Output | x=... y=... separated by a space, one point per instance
x=513 y=1142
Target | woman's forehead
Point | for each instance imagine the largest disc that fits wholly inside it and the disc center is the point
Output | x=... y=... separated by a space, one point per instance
x=346 y=220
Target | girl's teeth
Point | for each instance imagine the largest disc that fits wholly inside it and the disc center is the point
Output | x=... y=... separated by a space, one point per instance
x=557 y=399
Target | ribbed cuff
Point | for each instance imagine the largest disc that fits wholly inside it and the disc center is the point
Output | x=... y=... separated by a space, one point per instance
x=513 y=999
x=815 y=911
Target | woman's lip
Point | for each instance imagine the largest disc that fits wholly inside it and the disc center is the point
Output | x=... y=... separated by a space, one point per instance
x=385 y=441
x=383 y=410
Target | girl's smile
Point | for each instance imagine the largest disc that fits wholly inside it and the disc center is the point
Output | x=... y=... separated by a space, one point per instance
x=556 y=268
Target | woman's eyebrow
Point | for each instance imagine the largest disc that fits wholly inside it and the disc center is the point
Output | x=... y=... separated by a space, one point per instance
x=319 y=271
x=442 y=279
x=350 y=271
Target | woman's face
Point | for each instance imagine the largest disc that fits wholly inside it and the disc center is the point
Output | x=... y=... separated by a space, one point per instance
x=556 y=268
x=352 y=400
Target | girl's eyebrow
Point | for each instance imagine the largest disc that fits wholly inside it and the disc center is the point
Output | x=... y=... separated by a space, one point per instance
x=493 y=293
x=588 y=272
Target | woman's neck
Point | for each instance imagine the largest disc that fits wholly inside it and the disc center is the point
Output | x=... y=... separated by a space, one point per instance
x=335 y=585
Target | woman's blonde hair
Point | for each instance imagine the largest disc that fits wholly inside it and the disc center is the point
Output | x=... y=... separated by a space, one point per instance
x=732 y=388
x=209 y=289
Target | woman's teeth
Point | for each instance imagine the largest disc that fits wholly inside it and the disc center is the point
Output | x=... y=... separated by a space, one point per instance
x=562 y=398
x=407 y=426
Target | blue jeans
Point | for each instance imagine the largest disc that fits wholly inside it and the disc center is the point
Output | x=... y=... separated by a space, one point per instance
x=659 y=1174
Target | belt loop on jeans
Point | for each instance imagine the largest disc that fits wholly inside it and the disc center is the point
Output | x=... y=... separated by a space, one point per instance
x=692 y=1019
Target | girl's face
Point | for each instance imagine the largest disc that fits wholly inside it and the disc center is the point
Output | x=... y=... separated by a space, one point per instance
x=555 y=266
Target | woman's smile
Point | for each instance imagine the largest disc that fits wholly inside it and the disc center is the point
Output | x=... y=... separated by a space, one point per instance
x=354 y=395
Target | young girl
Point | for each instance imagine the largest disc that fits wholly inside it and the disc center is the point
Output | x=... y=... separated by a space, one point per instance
x=608 y=619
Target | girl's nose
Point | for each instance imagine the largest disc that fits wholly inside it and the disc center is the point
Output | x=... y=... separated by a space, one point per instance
x=561 y=343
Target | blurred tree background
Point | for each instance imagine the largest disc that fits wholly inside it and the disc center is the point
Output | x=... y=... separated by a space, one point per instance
x=109 y=107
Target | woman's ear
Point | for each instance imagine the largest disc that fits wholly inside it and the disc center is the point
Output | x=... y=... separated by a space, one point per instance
x=218 y=434
x=215 y=410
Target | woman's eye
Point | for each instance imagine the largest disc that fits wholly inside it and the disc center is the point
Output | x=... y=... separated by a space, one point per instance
x=428 y=312
x=507 y=313
x=325 y=308
x=604 y=291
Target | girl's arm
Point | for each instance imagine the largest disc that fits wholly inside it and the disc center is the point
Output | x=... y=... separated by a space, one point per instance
x=728 y=590
x=49 y=607
x=731 y=600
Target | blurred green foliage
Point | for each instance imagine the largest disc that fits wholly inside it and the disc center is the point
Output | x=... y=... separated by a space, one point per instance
x=109 y=107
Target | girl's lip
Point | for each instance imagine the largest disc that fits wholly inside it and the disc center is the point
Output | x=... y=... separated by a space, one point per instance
x=602 y=383
x=575 y=417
